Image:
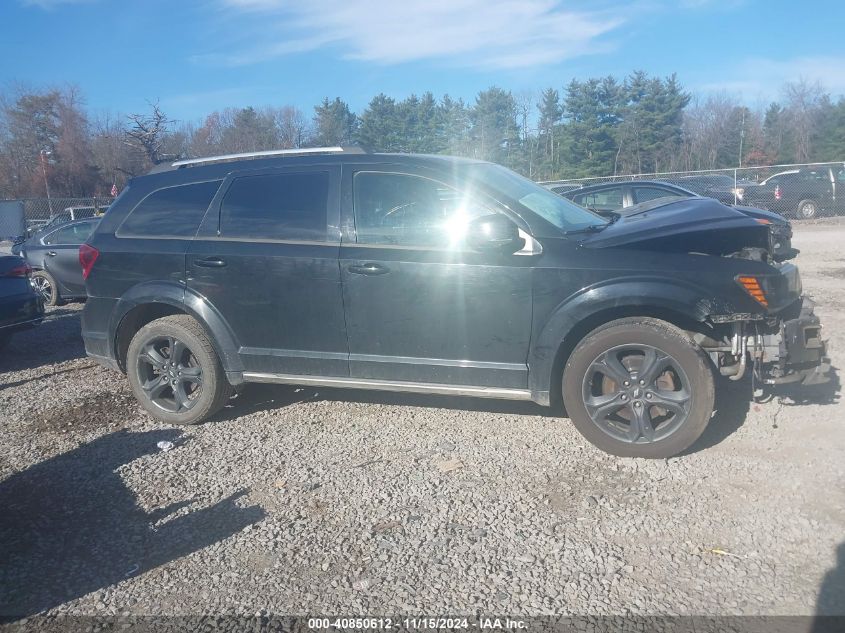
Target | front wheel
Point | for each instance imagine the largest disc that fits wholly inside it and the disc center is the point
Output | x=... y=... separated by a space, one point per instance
x=174 y=371
x=639 y=387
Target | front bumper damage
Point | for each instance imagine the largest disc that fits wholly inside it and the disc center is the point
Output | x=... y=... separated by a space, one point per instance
x=795 y=353
x=780 y=350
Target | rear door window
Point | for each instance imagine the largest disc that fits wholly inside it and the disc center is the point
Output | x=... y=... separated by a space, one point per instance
x=288 y=206
x=644 y=194
x=170 y=212
x=74 y=234
x=605 y=200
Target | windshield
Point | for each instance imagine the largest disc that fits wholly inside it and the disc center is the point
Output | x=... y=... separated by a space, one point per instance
x=562 y=213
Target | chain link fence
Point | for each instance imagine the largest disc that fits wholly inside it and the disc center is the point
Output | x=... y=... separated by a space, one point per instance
x=801 y=191
x=39 y=212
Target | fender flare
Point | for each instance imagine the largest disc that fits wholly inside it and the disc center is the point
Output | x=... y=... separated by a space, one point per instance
x=648 y=294
x=176 y=295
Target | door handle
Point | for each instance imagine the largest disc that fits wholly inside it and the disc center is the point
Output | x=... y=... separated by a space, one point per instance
x=210 y=262
x=51 y=253
x=368 y=269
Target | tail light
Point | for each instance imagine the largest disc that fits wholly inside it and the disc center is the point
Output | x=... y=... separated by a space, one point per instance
x=752 y=287
x=87 y=256
x=777 y=192
x=24 y=270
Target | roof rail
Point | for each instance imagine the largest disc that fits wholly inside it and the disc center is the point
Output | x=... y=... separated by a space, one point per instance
x=275 y=152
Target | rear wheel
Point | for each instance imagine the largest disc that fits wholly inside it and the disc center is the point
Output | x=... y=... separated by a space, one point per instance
x=639 y=388
x=45 y=286
x=174 y=371
x=808 y=209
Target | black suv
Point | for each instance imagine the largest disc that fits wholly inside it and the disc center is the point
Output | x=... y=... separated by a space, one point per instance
x=437 y=275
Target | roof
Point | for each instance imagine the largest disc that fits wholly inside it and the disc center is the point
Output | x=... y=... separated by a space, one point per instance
x=219 y=167
x=616 y=183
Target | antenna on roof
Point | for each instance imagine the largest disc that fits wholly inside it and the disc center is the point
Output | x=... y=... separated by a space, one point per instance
x=268 y=154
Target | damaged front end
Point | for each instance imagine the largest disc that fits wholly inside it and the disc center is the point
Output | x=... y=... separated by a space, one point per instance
x=785 y=350
x=782 y=345
x=757 y=319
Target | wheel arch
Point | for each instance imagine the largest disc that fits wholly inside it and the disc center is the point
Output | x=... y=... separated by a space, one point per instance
x=148 y=302
x=573 y=320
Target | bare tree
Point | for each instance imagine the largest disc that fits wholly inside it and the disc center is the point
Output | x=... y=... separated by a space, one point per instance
x=147 y=133
x=111 y=154
x=803 y=101
x=706 y=130
x=293 y=127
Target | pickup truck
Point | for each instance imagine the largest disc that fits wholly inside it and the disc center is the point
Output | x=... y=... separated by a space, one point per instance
x=802 y=193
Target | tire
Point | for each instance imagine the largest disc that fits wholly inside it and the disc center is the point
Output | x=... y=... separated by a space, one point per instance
x=807 y=209
x=45 y=285
x=200 y=388
x=604 y=411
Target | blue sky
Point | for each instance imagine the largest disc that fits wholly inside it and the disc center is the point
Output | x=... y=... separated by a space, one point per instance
x=195 y=56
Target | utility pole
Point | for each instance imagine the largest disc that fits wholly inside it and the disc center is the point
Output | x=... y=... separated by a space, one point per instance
x=43 y=158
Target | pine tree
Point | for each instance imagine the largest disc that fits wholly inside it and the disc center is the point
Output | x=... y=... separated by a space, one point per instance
x=334 y=123
x=378 y=130
x=494 y=129
x=548 y=131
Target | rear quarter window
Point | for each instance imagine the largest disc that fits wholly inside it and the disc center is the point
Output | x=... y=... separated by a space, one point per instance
x=289 y=206
x=170 y=212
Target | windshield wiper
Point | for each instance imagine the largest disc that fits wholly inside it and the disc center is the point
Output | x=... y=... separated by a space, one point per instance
x=592 y=228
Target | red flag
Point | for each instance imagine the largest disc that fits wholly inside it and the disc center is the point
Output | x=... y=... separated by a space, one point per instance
x=114 y=190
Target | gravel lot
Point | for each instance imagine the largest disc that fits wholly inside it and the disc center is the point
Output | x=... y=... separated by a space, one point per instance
x=343 y=502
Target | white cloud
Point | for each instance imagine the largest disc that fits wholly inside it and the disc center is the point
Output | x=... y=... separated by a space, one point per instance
x=763 y=78
x=480 y=33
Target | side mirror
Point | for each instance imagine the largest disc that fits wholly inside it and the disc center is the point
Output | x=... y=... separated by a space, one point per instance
x=494 y=233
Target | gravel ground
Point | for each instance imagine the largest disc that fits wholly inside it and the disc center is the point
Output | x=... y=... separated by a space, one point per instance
x=323 y=501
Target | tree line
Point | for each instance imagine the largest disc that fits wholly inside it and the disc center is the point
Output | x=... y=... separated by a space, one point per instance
x=593 y=127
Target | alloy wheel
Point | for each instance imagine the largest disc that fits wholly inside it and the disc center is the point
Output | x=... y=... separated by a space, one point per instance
x=43 y=287
x=169 y=374
x=637 y=393
x=808 y=210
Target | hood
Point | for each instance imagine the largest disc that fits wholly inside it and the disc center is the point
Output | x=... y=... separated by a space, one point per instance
x=685 y=225
x=761 y=214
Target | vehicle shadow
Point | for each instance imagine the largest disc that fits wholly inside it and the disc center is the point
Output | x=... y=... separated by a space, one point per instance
x=797 y=395
x=733 y=402
x=830 y=603
x=70 y=526
x=56 y=340
x=58 y=372
x=268 y=397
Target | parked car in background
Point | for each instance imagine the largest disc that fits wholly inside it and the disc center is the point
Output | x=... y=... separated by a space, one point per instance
x=612 y=199
x=53 y=253
x=70 y=214
x=561 y=189
x=803 y=193
x=435 y=274
x=20 y=306
x=722 y=187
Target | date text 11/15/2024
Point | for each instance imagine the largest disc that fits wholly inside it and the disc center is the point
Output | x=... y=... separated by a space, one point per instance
x=416 y=623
